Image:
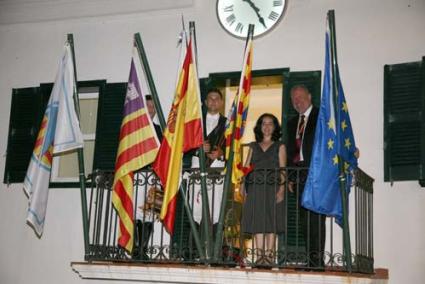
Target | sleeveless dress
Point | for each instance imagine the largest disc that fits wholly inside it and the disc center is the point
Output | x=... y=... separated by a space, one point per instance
x=261 y=213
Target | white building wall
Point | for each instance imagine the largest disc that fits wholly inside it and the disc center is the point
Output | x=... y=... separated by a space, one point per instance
x=369 y=33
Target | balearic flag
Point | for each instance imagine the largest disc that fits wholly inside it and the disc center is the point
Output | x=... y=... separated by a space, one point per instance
x=138 y=147
x=183 y=133
x=59 y=132
x=333 y=140
x=238 y=114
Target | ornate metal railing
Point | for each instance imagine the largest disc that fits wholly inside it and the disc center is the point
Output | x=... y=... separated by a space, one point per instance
x=363 y=192
x=289 y=236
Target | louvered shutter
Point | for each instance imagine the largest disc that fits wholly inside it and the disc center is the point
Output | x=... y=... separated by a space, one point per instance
x=27 y=109
x=109 y=117
x=404 y=127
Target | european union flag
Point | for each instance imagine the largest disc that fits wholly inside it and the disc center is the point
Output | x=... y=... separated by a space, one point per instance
x=333 y=140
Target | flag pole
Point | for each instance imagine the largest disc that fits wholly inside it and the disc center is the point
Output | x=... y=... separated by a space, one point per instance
x=228 y=176
x=80 y=154
x=155 y=98
x=149 y=78
x=206 y=220
x=342 y=178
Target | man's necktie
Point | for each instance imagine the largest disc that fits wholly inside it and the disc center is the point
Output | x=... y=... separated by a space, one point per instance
x=299 y=139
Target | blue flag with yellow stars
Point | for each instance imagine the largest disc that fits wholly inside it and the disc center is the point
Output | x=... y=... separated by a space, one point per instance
x=333 y=138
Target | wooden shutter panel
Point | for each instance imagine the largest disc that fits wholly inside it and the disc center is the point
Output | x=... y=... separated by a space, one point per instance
x=109 y=117
x=404 y=127
x=312 y=80
x=27 y=110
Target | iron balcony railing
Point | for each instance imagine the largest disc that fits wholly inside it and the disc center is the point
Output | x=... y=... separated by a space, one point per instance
x=288 y=240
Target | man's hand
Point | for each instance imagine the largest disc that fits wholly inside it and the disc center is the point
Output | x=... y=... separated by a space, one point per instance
x=215 y=154
x=357 y=153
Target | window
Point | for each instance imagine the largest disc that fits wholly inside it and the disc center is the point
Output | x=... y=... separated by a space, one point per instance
x=404 y=122
x=65 y=166
x=276 y=84
x=101 y=113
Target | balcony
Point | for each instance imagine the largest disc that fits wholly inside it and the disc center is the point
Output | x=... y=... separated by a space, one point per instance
x=239 y=255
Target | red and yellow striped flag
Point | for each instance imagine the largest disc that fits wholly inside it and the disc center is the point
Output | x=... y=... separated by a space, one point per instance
x=238 y=114
x=137 y=148
x=183 y=133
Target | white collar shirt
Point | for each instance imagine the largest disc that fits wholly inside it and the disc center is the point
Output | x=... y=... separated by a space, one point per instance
x=306 y=115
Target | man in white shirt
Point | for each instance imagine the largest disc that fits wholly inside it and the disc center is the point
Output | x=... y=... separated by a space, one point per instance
x=214 y=143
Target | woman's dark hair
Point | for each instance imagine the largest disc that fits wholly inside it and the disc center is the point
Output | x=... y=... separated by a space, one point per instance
x=257 y=129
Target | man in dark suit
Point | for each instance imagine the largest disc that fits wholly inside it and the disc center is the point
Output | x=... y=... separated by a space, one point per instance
x=214 y=126
x=301 y=130
x=152 y=113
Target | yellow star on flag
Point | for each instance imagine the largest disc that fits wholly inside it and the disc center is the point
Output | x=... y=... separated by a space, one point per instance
x=331 y=124
x=343 y=125
x=335 y=159
x=347 y=143
x=330 y=144
x=344 y=106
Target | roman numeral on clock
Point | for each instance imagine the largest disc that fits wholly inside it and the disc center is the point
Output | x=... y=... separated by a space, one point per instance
x=228 y=8
x=239 y=28
x=231 y=19
x=277 y=3
x=273 y=16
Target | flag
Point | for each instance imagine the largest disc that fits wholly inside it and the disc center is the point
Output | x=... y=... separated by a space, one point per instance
x=59 y=132
x=238 y=114
x=138 y=147
x=231 y=117
x=333 y=140
x=183 y=133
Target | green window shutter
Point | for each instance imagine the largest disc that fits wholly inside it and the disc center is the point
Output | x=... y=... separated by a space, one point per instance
x=109 y=117
x=312 y=80
x=28 y=105
x=404 y=124
x=204 y=86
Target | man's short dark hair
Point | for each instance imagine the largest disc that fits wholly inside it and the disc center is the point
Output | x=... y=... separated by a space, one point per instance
x=148 y=97
x=215 y=90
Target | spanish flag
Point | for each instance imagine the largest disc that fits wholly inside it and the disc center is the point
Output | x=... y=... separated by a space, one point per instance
x=183 y=133
x=238 y=114
x=137 y=148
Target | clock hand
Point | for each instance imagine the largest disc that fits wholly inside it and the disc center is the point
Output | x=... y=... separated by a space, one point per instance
x=257 y=11
x=261 y=20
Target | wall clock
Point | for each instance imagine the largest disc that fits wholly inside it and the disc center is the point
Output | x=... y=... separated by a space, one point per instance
x=235 y=15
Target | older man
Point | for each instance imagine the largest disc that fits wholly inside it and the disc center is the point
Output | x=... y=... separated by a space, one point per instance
x=301 y=131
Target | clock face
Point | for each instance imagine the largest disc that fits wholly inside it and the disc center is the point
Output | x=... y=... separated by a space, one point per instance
x=235 y=15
